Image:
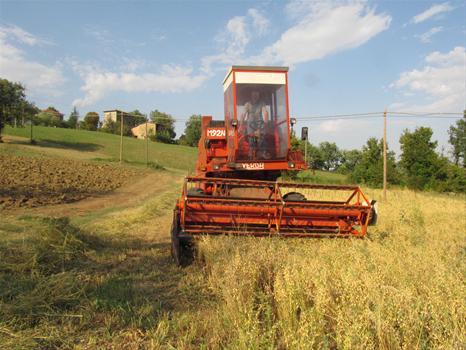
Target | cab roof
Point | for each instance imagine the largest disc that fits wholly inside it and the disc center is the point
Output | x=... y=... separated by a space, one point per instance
x=255 y=68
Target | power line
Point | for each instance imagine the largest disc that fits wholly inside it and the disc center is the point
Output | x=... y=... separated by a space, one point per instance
x=409 y=115
x=425 y=117
x=351 y=116
x=310 y=119
x=346 y=115
x=426 y=113
x=318 y=119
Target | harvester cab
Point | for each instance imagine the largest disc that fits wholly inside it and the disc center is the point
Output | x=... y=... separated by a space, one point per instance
x=235 y=190
x=253 y=141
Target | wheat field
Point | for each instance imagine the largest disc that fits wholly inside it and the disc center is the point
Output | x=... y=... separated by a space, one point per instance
x=401 y=288
x=107 y=281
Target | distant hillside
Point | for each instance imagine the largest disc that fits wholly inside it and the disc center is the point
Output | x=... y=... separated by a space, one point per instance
x=108 y=146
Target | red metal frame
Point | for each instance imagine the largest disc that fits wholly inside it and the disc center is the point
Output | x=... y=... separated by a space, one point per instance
x=235 y=112
x=221 y=213
x=287 y=109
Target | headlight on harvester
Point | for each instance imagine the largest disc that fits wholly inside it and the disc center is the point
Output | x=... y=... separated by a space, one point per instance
x=216 y=167
x=291 y=165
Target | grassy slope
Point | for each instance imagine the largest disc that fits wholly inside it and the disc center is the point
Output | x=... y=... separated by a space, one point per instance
x=323 y=177
x=97 y=144
x=106 y=280
x=108 y=146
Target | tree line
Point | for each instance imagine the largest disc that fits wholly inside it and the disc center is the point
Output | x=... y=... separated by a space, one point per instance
x=420 y=166
x=17 y=111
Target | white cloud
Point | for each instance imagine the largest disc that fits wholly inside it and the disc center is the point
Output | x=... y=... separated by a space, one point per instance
x=19 y=34
x=237 y=28
x=99 y=83
x=454 y=57
x=331 y=126
x=39 y=79
x=234 y=38
x=103 y=36
x=425 y=37
x=323 y=28
x=397 y=106
x=441 y=82
x=260 y=23
x=132 y=64
x=432 y=11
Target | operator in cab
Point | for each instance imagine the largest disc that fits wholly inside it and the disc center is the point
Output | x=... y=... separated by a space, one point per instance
x=254 y=121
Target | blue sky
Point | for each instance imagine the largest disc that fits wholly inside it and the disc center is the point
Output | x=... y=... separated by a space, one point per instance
x=345 y=57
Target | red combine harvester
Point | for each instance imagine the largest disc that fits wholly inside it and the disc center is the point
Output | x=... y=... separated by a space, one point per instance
x=240 y=159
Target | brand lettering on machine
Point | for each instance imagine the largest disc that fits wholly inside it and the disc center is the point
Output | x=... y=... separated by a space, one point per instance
x=216 y=133
x=252 y=166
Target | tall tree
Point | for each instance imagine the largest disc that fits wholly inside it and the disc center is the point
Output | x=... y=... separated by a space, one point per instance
x=91 y=121
x=193 y=130
x=458 y=141
x=369 y=169
x=136 y=118
x=50 y=117
x=12 y=95
x=54 y=113
x=331 y=155
x=315 y=158
x=349 y=160
x=165 y=125
x=419 y=160
x=29 y=111
x=73 y=119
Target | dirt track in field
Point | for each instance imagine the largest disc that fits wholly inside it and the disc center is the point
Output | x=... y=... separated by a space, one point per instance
x=27 y=182
x=132 y=193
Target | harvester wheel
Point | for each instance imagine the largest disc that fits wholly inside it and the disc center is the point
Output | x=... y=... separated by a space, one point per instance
x=294 y=197
x=175 y=247
x=182 y=247
x=374 y=213
x=186 y=251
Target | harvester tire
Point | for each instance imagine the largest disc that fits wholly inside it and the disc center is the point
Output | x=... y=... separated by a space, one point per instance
x=175 y=241
x=186 y=251
x=294 y=197
x=182 y=249
x=374 y=213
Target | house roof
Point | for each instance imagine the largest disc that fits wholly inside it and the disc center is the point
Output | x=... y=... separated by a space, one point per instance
x=116 y=110
x=121 y=112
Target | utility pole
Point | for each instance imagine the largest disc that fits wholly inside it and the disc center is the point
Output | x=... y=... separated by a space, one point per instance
x=385 y=155
x=16 y=118
x=121 y=136
x=31 y=140
x=147 y=146
x=22 y=115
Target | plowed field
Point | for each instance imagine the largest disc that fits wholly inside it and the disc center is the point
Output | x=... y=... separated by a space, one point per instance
x=32 y=182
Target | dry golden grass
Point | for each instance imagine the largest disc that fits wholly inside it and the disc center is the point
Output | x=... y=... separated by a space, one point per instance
x=107 y=281
x=402 y=287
